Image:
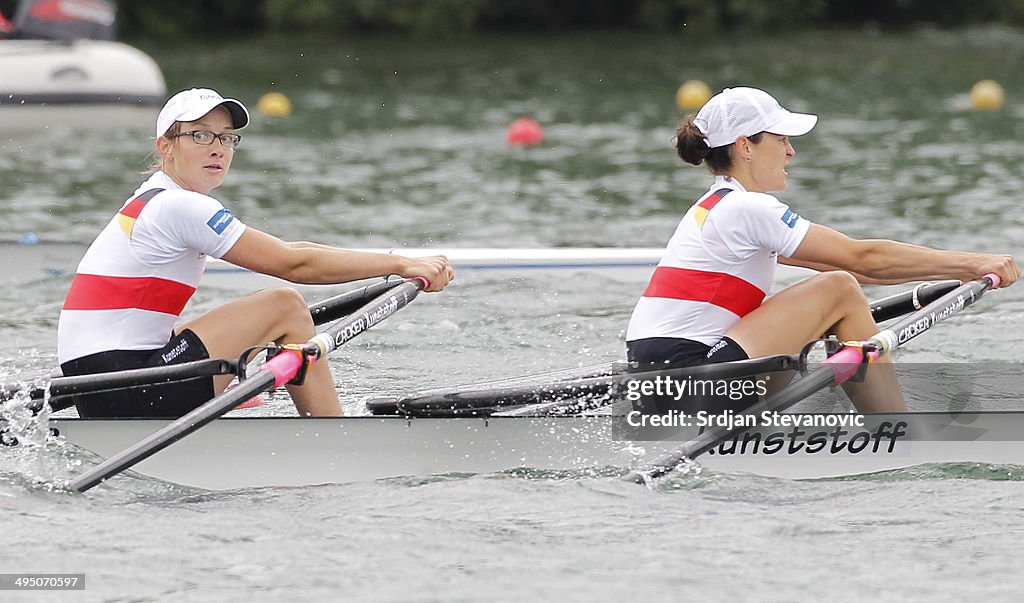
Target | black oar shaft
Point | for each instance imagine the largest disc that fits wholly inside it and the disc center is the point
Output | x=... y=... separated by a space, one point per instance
x=905 y=302
x=275 y=372
x=938 y=311
x=157 y=441
x=63 y=388
x=345 y=303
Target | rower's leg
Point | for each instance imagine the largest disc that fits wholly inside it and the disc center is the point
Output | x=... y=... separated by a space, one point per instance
x=830 y=303
x=279 y=315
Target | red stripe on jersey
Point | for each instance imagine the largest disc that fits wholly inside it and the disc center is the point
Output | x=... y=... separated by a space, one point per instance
x=723 y=290
x=133 y=208
x=94 y=292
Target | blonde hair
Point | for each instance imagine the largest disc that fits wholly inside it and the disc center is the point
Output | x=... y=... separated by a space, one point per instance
x=156 y=160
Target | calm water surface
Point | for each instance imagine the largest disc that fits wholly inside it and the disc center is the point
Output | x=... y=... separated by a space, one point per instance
x=399 y=143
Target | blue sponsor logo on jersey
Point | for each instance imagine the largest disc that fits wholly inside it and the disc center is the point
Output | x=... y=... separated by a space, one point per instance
x=790 y=217
x=220 y=221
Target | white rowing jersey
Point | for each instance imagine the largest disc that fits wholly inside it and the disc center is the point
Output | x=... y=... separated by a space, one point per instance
x=139 y=273
x=718 y=266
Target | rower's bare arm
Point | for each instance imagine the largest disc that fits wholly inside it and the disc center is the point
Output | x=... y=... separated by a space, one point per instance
x=819 y=267
x=888 y=262
x=314 y=264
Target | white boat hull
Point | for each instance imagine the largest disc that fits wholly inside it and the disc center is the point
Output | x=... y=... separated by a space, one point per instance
x=247 y=452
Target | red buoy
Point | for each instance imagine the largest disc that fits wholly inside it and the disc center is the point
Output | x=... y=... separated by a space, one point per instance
x=524 y=131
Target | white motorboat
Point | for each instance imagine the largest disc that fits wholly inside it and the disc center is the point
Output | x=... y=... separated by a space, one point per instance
x=52 y=75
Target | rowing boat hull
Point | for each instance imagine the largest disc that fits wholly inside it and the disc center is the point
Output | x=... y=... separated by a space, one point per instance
x=247 y=452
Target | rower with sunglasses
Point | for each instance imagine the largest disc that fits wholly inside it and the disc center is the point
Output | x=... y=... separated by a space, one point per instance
x=132 y=284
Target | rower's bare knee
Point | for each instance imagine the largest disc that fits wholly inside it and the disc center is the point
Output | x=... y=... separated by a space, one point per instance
x=289 y=305
x=842 y=287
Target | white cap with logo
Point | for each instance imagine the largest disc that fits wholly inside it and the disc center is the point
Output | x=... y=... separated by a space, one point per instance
x=736 y=112
x=190 y=105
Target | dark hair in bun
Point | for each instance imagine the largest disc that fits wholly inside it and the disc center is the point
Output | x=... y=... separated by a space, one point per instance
x=692 y=149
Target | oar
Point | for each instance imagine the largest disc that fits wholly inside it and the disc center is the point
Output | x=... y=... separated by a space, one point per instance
x=835 y=370
x=485 y=398
x=277 y=371
x=62 y=388
x=349 y=301
x=905 y=302
x=480 y=402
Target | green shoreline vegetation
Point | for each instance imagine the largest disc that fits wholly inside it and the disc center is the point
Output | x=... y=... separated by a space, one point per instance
x=198 y=18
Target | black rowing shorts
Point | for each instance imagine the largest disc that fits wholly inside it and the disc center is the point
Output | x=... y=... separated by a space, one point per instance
x=167 y=400
x=656 y=353
x=683 y=352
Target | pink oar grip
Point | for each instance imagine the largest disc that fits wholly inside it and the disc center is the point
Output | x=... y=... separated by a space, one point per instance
x=994 y=278
x=844 y=364
x=284 y=366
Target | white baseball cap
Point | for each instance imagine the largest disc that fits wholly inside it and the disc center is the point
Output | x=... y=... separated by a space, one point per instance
x=190 y=105
x=736 y=112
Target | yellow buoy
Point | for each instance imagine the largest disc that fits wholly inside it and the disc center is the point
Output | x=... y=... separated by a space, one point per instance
x=274 y=104
x=692 y=95
x=987 y=95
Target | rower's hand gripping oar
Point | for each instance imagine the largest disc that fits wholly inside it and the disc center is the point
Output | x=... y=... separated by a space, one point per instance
x=281 y=369
x=842 y=366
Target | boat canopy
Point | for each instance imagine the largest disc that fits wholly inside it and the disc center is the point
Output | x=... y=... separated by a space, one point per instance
x=65 y=19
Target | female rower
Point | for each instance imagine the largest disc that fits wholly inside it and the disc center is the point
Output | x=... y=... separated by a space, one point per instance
x=706 y=302
x=139 y=273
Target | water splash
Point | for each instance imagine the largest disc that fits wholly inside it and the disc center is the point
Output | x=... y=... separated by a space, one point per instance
x=31 y=450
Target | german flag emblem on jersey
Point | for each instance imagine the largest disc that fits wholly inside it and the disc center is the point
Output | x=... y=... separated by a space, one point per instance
x=131 y=210
x=704 y=207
